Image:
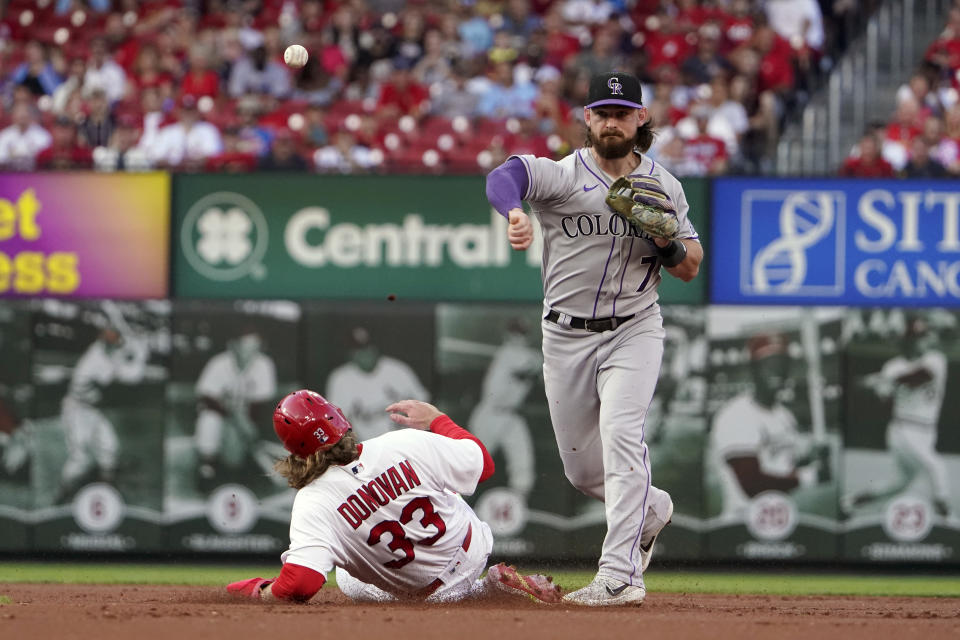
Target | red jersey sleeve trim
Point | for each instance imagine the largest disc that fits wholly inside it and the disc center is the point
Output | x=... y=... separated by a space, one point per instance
x=444 y=426
x=297 y=582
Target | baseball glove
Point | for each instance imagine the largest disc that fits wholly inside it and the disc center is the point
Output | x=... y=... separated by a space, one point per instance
x=645 y=205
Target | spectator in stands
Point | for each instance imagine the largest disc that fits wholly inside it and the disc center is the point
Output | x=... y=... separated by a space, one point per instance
x=409 y=46
x=65 y=151
x=434 y=67
x=200 y=80
x=921 y=165
x=702 y=149
x=907 y=125
x=728 y=115
x=738 y=25
x=591 y=12
x=505 y=98
x=71 y=85
x=256 y=73
x=316 y=85
x=122 y=152
x=283 y=154
x=315 y=126
x=603 y=54
x=402 y=95
x=186 y=143
x=519 y=21
x=474 y=31
x=23 y=139
x=918 y=89
x=949 y=148
x=97 y=127
x=103 y=73
x=255 y=139
x=553 y=113
x=345 y=155
x=868 y=163
x=799 y=22
x=707 y=62
x=559 y=45
x=452 y=97
x=36 y=72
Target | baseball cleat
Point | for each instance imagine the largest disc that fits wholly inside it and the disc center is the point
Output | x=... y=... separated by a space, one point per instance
x=659 y=515
x=607 y=592
x=509 y=580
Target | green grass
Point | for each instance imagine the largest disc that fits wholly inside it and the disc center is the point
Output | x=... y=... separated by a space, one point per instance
x=761 y=582
x=5 y=600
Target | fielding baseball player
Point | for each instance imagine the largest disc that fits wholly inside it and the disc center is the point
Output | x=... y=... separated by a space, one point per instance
x=230 y=385
x=92 y=444
x=369 y=382
x=497 y=419
x=755 y=444
x=611 y=217
x=385 y=512
x=916 y=381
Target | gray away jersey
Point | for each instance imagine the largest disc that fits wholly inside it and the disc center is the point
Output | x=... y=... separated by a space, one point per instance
x=594 y=264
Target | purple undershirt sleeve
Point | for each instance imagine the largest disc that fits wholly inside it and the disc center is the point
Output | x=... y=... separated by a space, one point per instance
x=507 y=185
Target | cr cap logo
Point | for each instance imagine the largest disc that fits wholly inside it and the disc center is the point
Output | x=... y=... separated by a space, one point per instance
x=805 y=220
x=616 y=89
x=224 y=237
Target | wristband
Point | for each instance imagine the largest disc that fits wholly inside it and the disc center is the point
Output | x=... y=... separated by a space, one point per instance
x=672 y=254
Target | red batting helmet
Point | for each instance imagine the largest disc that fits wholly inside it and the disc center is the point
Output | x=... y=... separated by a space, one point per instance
x=306 y=423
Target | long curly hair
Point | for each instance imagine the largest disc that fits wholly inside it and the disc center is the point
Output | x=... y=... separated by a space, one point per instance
x=299 y=472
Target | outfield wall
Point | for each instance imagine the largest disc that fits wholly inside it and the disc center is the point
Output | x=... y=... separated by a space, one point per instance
x=295 y=274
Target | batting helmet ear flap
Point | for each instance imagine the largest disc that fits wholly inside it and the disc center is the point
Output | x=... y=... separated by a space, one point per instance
x=306 y=423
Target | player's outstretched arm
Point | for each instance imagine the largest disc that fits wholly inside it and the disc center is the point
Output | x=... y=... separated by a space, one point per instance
x=295 y=583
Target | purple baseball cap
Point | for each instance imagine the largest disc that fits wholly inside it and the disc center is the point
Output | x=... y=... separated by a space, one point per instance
x=614 y=88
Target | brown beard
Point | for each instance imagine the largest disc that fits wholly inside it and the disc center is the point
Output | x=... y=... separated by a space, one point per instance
x=641 y=141
x=611 y=147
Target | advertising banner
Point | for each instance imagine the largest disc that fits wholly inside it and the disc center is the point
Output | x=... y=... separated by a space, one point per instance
x=84 y=235
x=774 y=443
x=901 y=465
x=16 y=399
x=853 y=242
x=357 y=237
x=99 y=374
x=231 y=364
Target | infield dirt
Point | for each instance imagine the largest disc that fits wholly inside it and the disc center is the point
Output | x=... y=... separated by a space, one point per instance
x=53 y=612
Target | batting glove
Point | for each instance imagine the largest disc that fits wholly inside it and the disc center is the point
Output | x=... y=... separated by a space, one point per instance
x=252 y=588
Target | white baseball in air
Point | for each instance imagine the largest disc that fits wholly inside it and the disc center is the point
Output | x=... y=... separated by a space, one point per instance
x=295 y=56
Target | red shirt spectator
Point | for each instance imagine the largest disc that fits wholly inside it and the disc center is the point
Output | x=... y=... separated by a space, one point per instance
x=65 y=152
x=869 y=164
x=402 y=95
x=776 y=64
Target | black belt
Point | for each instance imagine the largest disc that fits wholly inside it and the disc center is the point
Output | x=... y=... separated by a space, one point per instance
x=596 y=325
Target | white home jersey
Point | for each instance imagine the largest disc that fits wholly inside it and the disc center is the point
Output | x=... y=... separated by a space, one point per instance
x=223 y=379
x=744 y=428
x=595 y=265
x=920 y=402
x=392 y=518
x=363 y=395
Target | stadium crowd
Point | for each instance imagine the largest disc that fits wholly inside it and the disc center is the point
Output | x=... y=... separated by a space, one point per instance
x=922 y=139
x=395 y=85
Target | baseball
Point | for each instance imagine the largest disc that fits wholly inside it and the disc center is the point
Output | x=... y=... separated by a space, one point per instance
x=295 y=56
